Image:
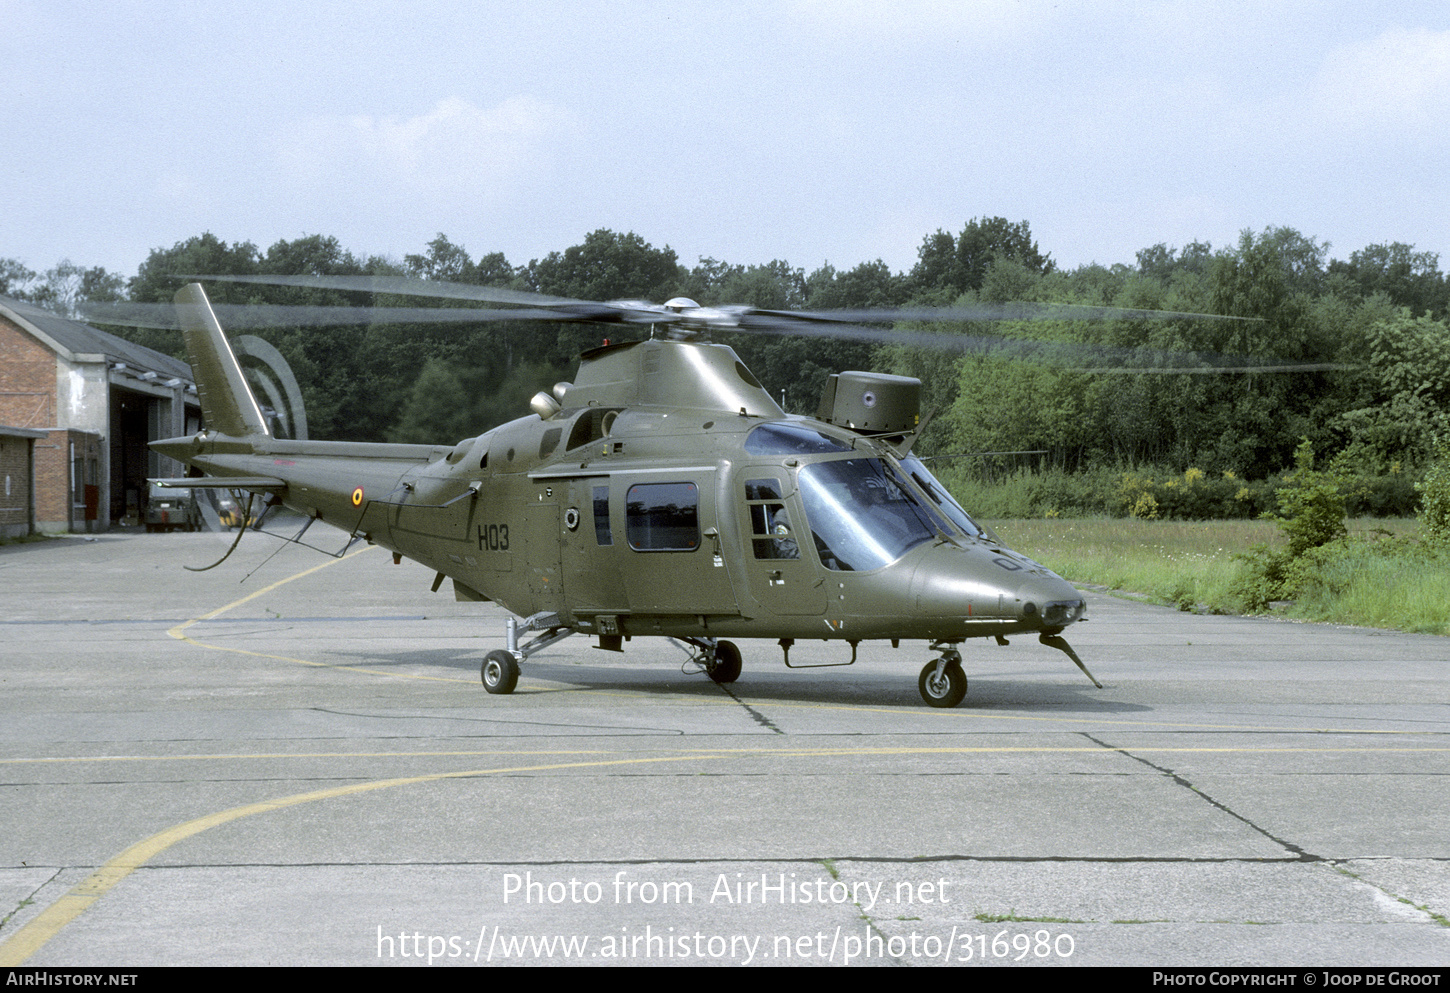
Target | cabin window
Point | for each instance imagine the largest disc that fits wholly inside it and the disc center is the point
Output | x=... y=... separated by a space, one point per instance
x=549 y=442
x=772 y=532
x=591 y=425
x=602 y=533
x=663 y=517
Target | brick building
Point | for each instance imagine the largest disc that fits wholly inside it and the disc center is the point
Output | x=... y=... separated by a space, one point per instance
x=97 y=400
x=17 y=467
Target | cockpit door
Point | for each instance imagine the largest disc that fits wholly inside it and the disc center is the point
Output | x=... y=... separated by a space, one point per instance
x=783 y=573
x=591 y=555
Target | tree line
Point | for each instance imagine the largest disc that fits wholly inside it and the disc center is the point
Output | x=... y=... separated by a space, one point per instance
x=1380 y=316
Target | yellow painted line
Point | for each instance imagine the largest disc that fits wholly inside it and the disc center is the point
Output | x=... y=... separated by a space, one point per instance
x=178 y=632
x=665 y=698
x=1107 y=749
x=784 y=751
x=321 y=665
x=959 y=714
x=216 y=756
x=966 y=714
x=46 y=925
x=50 y=921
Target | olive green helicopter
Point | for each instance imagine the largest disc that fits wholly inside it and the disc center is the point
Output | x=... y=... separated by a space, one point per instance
x=663 y=492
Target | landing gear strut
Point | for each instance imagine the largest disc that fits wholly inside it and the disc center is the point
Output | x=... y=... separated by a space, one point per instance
x=720 y=660
x=943 y=683
x=500 y=670
x=726 y=666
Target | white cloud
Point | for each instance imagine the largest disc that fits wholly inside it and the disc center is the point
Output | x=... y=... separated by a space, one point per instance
x=1400 y=79
x=455 y=149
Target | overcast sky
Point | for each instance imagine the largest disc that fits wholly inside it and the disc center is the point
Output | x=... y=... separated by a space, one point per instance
x=804 y=130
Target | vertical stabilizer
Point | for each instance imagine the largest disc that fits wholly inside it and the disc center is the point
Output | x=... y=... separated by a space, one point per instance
x=227 y=404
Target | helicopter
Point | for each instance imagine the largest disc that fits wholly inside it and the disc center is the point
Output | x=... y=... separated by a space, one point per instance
x=661 y=493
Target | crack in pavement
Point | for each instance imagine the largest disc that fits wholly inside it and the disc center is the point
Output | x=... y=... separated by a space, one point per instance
x=1300 y=854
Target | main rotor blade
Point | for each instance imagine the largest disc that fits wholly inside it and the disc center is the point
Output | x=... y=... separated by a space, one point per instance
x=241 y=315
x=400 y=286
x=862 y=325
x=1015 y=311
x=445 y=290
x=1071 y=356
x=612 y=312
x=236 y=315
x=856 y=325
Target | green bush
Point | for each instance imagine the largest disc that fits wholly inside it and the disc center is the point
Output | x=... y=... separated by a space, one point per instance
x=1311 y=507
x=1311 y=516
x=1158 y=493
x=1435 y=497
x=1024 y=494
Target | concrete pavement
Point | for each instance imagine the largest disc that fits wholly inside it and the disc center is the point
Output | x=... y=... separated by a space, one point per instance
x=315 y=776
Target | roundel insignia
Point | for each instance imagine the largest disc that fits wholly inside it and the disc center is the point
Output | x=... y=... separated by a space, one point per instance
x=357 y=496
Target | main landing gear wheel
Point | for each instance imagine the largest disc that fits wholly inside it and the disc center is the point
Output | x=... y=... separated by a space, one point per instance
x=946 y=690
x=500 y=672
x=726 y=666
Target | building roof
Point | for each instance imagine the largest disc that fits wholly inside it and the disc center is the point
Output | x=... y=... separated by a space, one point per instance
x=75 y=339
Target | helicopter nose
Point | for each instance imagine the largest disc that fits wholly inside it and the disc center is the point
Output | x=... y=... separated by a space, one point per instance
x=1051 y=602
x=996 y=583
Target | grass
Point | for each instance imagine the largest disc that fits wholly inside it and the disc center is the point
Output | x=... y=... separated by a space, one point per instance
x=1192 y=565
x=1013 y=917
x=18 y=908
x=1375 y=587
x=1165 y=561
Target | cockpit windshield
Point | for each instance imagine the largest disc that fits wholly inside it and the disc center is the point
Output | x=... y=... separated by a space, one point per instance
x=861 y=515
x=940 y=496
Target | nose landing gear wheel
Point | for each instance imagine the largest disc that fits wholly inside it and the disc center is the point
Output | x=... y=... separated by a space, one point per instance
x=726 y=667
x=947 y=690
x=500 y=672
